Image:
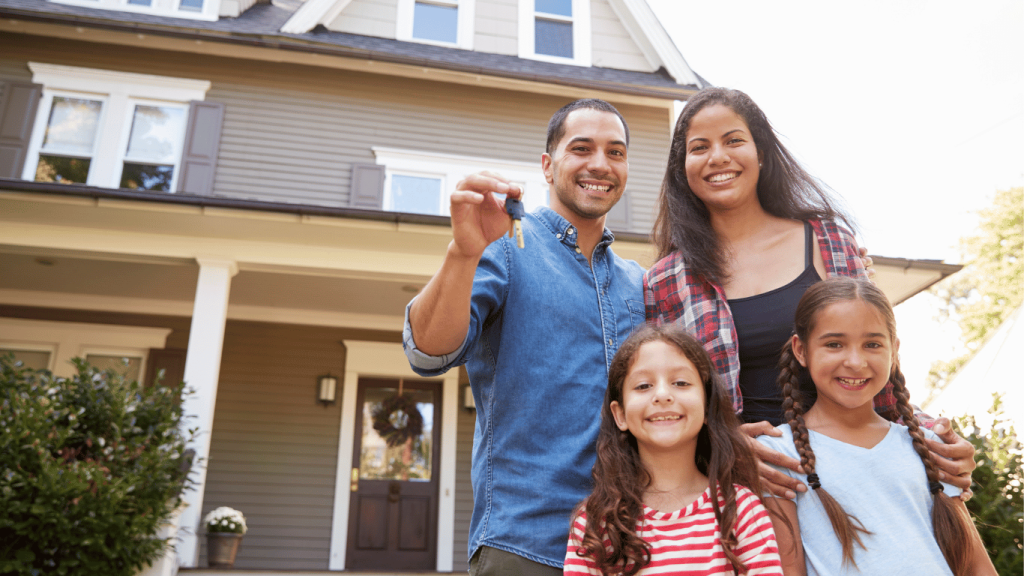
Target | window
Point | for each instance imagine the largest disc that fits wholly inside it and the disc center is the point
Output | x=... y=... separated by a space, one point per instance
x=109 y=129
x=555 y=31
x=441 y=22
x=191 y=9
x=421 y=182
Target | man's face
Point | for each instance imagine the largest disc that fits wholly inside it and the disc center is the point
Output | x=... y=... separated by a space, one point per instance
x=587 y=169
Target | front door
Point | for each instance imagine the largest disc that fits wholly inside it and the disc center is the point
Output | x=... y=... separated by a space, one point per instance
x=393 y=511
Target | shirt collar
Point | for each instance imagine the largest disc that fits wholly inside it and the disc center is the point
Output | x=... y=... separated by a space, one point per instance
x=564 y=230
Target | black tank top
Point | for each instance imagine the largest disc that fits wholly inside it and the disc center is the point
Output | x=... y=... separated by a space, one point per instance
x=763 y=325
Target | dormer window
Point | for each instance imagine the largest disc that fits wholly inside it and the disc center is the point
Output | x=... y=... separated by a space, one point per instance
x=441 y=22
x=191 y=9
x=555 y=31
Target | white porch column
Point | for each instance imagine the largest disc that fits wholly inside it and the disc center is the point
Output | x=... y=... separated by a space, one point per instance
x=202 y=372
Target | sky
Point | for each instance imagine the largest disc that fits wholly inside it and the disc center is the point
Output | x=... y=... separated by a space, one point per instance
x=911 y=110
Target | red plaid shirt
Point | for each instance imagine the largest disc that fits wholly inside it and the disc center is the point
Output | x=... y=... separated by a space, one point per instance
x=673 y=293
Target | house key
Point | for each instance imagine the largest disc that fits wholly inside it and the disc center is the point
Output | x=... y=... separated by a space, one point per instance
x=515 y=210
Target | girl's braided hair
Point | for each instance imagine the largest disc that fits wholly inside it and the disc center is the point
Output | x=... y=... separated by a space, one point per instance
x=953 y=528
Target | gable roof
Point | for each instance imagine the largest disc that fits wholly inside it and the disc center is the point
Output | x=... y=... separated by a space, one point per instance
x=261 y=27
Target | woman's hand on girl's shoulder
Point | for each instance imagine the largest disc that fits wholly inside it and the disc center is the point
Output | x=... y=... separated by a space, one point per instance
x=779 y=484
x=955 y=457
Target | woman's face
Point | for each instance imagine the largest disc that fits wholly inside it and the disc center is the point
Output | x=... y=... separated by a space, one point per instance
x=722 y=162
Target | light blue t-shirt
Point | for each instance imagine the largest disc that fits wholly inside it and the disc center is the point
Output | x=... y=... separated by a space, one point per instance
x=885 y=487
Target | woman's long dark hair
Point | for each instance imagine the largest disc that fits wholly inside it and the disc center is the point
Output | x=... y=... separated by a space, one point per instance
x=953 y=528
x=784 y=188
x=620 y=479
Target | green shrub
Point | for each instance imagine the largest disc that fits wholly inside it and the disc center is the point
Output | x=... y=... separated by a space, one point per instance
x=997 y=506
x=90 y=467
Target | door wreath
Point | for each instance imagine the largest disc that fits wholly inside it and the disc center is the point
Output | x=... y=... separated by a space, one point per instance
x=397 y=419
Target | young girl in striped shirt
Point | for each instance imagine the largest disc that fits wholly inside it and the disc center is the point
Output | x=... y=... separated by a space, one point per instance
x=876 y=504
x=675 y=482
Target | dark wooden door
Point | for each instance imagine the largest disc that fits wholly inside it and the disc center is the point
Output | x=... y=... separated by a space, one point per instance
x=394 y=486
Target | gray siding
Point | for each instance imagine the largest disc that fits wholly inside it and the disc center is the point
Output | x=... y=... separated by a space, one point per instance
x=291 y=133
x=463 y=484
x=612 y=46
x=368 y=17
x=496 y=28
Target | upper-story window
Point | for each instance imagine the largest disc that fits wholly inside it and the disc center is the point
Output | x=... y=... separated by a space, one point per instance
x=417 y=182
x=555 y=31
x=441 y=22
x=191 y=9
x=109 y=129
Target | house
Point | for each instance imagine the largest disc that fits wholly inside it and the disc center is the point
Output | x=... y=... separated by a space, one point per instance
x=245 y=194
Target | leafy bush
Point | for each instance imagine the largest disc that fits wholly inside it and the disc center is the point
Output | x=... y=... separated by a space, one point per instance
x=90 y=467
x=997 y=505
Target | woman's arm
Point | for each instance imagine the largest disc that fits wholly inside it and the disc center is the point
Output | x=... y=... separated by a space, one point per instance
x=778 y=483
x=787 y=534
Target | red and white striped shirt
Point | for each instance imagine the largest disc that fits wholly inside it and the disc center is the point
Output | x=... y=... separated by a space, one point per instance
x=689 y=542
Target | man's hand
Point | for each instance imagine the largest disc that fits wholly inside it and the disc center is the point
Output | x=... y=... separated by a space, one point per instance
x=780 y=485
x=954 y=457
x=478 y=217
x=869 y=264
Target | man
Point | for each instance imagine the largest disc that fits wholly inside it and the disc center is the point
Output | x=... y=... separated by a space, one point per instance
x=536 y=328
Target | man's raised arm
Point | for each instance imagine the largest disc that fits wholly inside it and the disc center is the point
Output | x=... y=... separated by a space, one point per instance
x=439 y=316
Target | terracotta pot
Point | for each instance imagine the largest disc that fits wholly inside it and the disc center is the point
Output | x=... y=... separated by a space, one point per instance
x=221 y=548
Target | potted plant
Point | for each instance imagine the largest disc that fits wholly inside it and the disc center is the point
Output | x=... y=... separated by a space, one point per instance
x=224 y=530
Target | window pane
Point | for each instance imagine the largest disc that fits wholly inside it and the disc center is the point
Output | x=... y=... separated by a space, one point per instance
x=72 y=126
x=398 y=454
x=156 y=132
x=147 y=177
x=140 y=2
x=431 y=22
x=560 y=7
x=415 y=194
x=127 y=366
x=34 y=359
x=191 y=5
x=553 y=38
x=62 y=170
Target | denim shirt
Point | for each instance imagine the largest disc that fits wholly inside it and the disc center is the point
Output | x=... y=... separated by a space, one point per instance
x=543 y=328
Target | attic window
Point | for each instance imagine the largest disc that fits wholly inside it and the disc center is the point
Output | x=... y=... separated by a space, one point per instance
x=441 y=22
x=555 y=31
x=191 y=9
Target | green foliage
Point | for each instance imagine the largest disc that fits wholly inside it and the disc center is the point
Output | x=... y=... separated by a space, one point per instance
x=997 y=506
x=90 y=467
x=991 y=285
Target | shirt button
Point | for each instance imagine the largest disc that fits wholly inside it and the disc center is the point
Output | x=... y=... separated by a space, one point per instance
x=570 y=231
x=609 y=341
x=578 y=251
x=559 y=236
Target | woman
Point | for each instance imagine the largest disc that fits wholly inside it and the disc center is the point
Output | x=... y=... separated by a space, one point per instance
x=742 y=231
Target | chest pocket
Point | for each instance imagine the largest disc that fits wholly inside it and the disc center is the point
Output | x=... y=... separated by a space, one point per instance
x=636 y=313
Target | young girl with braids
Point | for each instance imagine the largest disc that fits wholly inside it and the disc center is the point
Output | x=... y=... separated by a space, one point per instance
x=667 y=442
x=876 y=505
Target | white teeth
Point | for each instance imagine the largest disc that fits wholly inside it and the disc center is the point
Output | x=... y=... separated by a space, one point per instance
x=853 y=381
x=596 y=188
x=664 y=418
x=722 y=177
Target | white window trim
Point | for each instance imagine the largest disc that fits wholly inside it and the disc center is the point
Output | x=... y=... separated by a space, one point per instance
x=211 y=8
x=464 y=26
x=450 y=168
x=67 y=340
x=581 y=34
x=120 y=92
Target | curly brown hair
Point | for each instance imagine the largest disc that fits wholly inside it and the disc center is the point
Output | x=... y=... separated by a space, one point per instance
x=620 y=478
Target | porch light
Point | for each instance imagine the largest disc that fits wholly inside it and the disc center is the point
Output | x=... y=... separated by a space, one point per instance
x=468 y=403
x=326 y=386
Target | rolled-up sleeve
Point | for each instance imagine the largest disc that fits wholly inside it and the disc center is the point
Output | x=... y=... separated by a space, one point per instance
x=422 y=363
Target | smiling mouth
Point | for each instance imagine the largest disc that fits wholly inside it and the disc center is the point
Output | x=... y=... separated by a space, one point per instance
x=853 y=383
x=595 y=187
x=724 y=177
x=666 y=418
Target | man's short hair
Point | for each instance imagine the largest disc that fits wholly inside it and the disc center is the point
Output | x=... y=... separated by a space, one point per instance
x=556 y=127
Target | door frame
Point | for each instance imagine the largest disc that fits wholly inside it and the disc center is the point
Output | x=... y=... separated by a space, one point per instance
x=387 y=360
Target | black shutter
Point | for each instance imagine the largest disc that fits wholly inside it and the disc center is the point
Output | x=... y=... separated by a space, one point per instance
x=202 y=144
x=367 y=187
x=618 y=216
x=19 y=102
